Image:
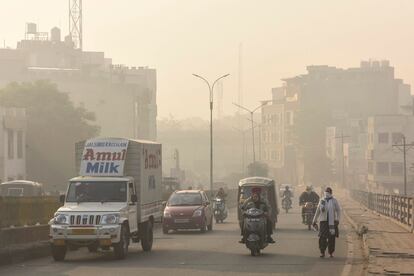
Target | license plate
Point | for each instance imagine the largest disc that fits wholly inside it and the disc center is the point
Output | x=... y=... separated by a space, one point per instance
x=59 y=242
x=181 y=220
x=83 y=231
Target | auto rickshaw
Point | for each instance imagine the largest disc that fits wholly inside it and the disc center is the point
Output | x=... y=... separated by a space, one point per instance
x=268 y=194
x=21 y=188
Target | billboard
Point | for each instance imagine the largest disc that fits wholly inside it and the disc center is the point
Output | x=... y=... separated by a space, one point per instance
x=104 y=157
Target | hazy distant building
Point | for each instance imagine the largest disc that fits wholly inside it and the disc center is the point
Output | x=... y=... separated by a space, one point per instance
x=13 y=144
x=123 y=99
x=385 y=162
x=346 y=95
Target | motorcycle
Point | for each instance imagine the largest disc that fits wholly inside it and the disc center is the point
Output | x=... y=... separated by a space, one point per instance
x=220 y=210
x=255 y=230
x=310 y=210
x=286 y=204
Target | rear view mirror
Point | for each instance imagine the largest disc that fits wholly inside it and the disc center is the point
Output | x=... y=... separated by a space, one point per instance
x=62 y=199
x=134 y=198
x=164 y=203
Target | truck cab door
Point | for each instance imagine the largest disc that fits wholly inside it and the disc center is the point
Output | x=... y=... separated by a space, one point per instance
x=132 y=207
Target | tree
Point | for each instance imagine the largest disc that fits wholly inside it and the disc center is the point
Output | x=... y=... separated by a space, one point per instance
x=54 y=124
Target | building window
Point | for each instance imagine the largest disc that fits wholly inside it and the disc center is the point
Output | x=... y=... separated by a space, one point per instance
x=20 y=144
x=383 y=169
x=383 y=138
x=10 y=143
x=397 y=137
x=397 y=169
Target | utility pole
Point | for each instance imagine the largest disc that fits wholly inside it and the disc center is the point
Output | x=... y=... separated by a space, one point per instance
x=404 y=148
x=342 y=137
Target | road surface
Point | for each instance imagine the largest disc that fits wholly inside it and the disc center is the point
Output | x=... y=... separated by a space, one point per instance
x=213 y=253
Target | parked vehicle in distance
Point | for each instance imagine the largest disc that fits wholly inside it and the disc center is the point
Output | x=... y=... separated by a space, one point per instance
x=169 y=185
x=21 y=188
x=188 y=209
x=115 y=199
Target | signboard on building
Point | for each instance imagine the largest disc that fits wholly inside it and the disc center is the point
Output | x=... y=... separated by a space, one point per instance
x=103 y=157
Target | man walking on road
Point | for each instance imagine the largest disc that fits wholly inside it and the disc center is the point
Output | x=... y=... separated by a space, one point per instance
x=328 y=213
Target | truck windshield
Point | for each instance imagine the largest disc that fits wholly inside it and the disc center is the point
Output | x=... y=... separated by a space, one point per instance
x=97 y=191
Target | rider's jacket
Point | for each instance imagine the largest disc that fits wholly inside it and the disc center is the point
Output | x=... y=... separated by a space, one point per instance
x=287 y=194
x=249 y=203
x=311 y=197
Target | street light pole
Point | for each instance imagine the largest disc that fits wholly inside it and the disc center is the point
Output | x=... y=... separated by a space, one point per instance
x=251 y=119
x=211 y=90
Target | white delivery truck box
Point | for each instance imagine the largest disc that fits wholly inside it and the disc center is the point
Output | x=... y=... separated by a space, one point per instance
x=116 y=198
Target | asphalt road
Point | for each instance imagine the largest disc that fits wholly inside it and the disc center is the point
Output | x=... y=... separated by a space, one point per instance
x=213 y=253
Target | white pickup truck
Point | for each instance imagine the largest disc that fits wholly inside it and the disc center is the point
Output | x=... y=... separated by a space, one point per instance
x=115 y=199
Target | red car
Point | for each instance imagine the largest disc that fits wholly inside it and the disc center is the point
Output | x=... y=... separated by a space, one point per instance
x=188 y=209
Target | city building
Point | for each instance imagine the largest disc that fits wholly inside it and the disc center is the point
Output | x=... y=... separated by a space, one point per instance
x=385 y=153
x=13 y=141
x=342 y=99
x=122 y=98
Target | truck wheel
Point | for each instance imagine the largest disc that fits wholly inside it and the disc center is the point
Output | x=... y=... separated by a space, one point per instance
x=147 y=237
x=58 y=252
x=121 y=248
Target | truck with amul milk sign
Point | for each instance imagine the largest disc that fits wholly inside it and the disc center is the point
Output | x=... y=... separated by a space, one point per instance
x=115 y=200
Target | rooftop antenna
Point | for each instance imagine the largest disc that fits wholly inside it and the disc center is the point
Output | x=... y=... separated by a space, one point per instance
x=75 y=22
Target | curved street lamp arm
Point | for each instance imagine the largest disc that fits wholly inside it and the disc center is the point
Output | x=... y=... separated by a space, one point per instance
x=265 y=103
x=242 y=107
x=208 y=84
x=222 y=77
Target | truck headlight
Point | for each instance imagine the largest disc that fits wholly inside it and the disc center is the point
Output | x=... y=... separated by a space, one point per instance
x=110 y=219
x=61 y=219
x=198 y=213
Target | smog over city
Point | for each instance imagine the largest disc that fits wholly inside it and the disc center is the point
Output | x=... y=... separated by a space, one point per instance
x=206 y=137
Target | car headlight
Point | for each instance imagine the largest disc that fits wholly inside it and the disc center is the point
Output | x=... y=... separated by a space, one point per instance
x=167 y=214
x=61 y=219
x=110 y=219
x=197 y=213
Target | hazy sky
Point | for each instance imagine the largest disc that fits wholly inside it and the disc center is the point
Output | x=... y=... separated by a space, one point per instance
x=192 y=36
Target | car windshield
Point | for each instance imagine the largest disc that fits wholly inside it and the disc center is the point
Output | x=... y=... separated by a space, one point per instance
x=182 y=199
x=97 y=191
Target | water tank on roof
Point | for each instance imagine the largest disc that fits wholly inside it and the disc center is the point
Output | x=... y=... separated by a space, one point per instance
x=31 y=28
x=55 y=34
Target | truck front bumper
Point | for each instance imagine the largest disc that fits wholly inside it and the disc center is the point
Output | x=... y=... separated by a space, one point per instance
x=105 y=235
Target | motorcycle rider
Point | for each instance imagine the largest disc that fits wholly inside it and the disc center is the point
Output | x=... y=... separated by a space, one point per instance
x=255 y=202
x=308 y=196
x=287 y=195
x=221 y=194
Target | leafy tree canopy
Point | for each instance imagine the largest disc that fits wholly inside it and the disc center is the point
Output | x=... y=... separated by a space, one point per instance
x=54 y=124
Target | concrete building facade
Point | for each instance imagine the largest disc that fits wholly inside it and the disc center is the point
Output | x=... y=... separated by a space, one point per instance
x=122 y=98
x=385 y=161
x=13 y=141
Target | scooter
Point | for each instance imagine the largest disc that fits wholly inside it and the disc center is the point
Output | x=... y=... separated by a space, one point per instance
x=310 y=210
x=220 y=210
x=255 y=230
